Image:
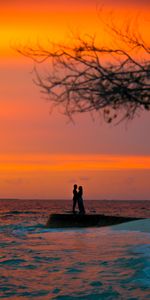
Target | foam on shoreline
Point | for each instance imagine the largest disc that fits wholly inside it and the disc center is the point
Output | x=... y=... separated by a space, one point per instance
x=137 y=225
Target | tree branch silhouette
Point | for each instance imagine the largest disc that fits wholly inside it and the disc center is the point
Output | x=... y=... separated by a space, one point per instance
x=88 y=78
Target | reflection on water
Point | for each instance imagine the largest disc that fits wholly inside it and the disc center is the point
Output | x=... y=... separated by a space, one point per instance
x=75 y=264
x=94 y=263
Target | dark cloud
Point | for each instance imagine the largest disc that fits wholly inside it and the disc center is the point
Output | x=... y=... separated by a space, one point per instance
x=77 y=2
x=14 y=181
x=124 y=3
x=130 y=180
x=84 y=178
x=43 y=2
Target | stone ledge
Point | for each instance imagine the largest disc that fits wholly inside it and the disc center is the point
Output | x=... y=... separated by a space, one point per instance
x=87 y=220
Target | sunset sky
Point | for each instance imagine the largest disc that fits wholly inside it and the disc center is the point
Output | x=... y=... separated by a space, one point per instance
x=41 y=154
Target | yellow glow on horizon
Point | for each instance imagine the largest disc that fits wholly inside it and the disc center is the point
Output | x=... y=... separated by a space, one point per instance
x=63 y=163
x=27 y=25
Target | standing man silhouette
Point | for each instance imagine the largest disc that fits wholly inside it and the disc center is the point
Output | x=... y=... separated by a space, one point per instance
x=75 y=197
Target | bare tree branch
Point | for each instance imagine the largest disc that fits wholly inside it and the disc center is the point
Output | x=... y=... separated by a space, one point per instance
x=87 y=77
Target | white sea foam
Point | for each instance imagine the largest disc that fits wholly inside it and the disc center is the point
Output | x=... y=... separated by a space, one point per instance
x=138 y=225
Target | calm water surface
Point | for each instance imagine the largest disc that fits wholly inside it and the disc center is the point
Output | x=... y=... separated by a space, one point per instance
x=93 y=263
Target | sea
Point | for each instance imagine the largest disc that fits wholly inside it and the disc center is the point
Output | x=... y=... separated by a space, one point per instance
x=74 y=263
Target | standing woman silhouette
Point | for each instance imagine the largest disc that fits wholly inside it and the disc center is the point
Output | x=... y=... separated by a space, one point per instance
x=80 y=201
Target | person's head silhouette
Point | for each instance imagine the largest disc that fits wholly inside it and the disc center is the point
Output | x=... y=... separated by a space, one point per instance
x=80 y=189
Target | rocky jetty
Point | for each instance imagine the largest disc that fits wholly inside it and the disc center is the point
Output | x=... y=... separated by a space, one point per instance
x=87 y=220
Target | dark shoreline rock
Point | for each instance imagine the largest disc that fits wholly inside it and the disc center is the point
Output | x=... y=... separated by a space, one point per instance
x=87 y=220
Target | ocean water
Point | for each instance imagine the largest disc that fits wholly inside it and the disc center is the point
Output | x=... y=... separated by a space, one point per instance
x=91 y=263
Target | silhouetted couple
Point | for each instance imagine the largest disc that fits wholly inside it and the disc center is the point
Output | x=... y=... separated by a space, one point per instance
x=78 y=199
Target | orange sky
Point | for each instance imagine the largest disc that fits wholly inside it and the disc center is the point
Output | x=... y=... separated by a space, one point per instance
x=39 y=151
x=27 y=22
x=71 y=162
